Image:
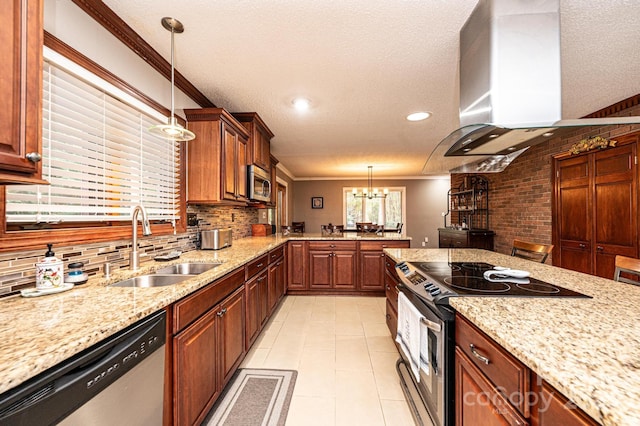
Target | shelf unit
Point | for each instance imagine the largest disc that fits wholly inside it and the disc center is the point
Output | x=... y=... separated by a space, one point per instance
x=468 y=205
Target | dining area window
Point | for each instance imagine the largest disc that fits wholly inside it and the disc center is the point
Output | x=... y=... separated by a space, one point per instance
x=387 y=211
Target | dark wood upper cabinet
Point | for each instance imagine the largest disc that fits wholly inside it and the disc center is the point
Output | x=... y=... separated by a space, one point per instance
x=216 y=164
x=21 y=39
x=259 y=145
x=596 y=208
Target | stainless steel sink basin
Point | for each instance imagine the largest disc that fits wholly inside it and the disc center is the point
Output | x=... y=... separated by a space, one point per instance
x=187 y=268
x=155 y=280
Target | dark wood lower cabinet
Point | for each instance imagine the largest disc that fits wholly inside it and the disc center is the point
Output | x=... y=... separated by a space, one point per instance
x=195 y=370
x=231 y=317
x=332 y=269
x=477 y=400
x=328 y=266
x=465 y=238
x=391 y=283
x=205 y=355
x=554 y=409
x=492 y=387
x=372 y=263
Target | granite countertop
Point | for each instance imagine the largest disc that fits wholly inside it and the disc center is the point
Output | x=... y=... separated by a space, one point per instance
x=349 y=236
x=39 y=332
x=588 y=349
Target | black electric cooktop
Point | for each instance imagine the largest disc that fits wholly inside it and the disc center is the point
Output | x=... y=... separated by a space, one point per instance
x=437 y=281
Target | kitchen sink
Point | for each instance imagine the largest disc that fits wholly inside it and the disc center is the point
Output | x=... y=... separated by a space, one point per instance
x=155 y=280
x=187 y=268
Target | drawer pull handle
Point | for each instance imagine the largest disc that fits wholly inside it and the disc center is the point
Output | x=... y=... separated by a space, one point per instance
x=259 y=265
x=478 y=355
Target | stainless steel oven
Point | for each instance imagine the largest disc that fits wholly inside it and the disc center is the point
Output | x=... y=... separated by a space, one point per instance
x=431 y=398
x=259 y=182
x=428 y=286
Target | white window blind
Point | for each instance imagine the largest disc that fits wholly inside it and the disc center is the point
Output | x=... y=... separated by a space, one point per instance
x=99 y=158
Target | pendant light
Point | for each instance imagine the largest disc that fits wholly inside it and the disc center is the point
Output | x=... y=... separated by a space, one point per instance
x=172 y=131
x=370 y=192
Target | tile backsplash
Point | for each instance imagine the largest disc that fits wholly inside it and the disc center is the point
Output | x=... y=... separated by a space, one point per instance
x=17 y=269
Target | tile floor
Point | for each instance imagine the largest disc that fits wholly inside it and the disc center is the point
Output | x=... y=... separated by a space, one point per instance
x=345 y=358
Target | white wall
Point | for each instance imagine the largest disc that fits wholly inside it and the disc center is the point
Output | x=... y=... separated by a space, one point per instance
x=69 y=23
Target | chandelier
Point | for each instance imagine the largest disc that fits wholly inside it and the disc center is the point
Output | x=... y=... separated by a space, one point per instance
x=370 y=192
x=172 y=131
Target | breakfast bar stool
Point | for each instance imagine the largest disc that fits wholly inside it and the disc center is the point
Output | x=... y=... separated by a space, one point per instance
x=531 y=251
x=627 y=265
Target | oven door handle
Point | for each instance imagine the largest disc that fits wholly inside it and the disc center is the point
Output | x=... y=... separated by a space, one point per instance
x=431 y=325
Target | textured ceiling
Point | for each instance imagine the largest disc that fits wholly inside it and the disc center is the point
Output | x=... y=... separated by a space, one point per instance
x=365 y=65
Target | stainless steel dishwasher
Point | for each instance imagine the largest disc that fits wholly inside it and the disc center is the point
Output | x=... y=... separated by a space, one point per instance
x=117 y=381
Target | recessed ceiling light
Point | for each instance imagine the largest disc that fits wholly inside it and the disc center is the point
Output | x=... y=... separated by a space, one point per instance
x=301 y=104
x=418 y=116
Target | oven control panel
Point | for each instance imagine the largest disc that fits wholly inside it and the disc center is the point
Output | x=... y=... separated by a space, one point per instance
x=422 y=285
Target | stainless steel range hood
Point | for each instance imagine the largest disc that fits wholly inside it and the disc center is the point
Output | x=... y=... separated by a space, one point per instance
x=510 y=87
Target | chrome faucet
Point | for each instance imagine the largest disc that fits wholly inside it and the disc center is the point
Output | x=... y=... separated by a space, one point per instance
x=134 y=257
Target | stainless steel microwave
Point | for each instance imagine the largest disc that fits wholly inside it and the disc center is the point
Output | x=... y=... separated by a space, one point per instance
x=259 y=182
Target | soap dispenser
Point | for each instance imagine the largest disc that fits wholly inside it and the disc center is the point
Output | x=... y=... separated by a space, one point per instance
x=50 y=271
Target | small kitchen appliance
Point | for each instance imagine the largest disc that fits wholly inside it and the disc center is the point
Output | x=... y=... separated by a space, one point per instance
x=215 y=239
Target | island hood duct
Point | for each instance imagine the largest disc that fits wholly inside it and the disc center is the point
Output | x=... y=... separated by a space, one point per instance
x=510 y=87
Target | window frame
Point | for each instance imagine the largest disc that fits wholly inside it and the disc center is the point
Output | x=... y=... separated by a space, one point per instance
x=86 y=233
x=348 y=191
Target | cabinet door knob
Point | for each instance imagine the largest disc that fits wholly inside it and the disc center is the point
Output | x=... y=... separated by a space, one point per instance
x=34 y=157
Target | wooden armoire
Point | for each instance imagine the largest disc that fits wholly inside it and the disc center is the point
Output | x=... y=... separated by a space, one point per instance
x=595 y=207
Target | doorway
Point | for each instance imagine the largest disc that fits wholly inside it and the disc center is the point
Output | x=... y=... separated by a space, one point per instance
x=281 y=207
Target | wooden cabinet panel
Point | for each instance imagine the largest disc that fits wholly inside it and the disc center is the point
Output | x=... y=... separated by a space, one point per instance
x=372 y=263
x=256 y=266
x=501 y=368
x=195 y=370
x=391 y=292
x=477 y=401
x=276 y=283
x=615 y=197
x=208 y=345
x=494 y=388
x=259 y=150
x=193 y=306
x=21 y=40
x=276 y=253
x=216 y=159
x=595 y=204
x=252 y=299
x=297 y=265
x=462 y=238
x=231 y=316
x=560 y=411
x=319 y=269
x=344 y=270
x=371 y=270
x=392 y=320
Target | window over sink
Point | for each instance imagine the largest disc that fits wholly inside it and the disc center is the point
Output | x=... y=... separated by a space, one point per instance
x=99 y=158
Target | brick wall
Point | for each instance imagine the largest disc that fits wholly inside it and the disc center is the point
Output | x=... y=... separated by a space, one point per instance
x=17 y=269
x=520 y=197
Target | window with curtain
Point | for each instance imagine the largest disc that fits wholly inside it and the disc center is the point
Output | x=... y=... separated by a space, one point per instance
x=98 y=156
x=388 y=211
